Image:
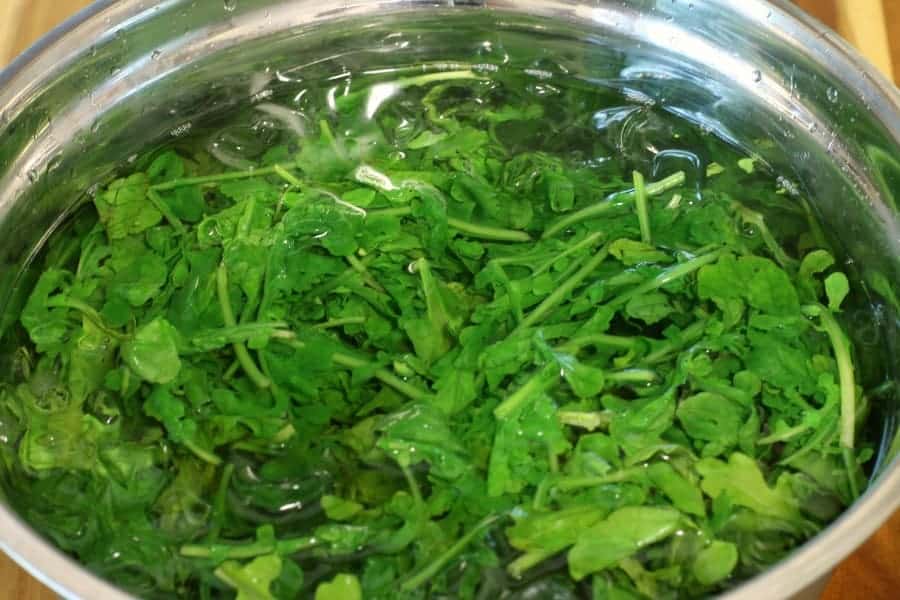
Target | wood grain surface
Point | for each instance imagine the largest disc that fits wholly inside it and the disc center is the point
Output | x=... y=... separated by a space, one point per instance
x=872 y=573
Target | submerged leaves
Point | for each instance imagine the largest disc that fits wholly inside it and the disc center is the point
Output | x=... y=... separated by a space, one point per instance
x=443 y=350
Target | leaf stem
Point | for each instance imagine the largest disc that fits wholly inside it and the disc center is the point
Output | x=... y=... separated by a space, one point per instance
x=587 y=242
x=166 y=212
x=846 y=375
x=383 y=375
x=585 y=420
x=603 y=340
x=437 y=564
x=546 y=377
x=484 y=232
x=332 y=323
x=218 y=178
x=240 y=350
x=665 y=277
x=640 y=205
x=242 y=551
x=88 y=312
x=218 y=516
x=632 y=376
x=559 y=294
x=621 y=199
x=287 y=176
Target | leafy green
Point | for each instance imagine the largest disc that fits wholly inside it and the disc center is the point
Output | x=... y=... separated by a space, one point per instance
x=443 y=340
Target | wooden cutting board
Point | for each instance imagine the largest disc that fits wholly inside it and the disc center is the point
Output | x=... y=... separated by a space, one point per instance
x=871 y=573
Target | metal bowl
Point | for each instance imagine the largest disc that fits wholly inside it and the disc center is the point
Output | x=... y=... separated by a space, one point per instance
x=127 y=75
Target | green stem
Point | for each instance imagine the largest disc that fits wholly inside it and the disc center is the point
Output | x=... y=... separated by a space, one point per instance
x=163 y=208
x=202 y=453
x=528 y=560
x=243 y=551
x=240 y=350
x=621 y=199
x=577 y=483
x=383 y=375
x=88 y=312
x=587 y=242
x=437 y=564
x=559 y=294
x=641 y=206
x=585 y=420
x=287 y=176
x=632 y=376
x=413 y=486
x=332 y=323
x=211 y=339
x=667 y=276
x=852 y=467
x=349 y=274
x=484 y=232
x=590 y=212
x=218 y=516
x=688 y=335
x=540 y=382
x=358 y=266
x=756 y=219
x=327 y=134
x=220 y=177
x=600 y=340
x=845 y=375
x=400 y=211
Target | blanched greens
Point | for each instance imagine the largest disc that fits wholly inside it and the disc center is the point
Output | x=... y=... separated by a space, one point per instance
x=455 y=343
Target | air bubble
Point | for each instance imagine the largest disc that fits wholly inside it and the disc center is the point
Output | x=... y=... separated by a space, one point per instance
x=230 y=5
x=757 y=75
x=155 y=54
x=832 y=94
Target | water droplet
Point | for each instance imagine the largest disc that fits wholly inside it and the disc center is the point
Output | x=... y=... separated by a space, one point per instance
x=832 y=94
x=230 y=5
x=757 y=75
x=156 y=54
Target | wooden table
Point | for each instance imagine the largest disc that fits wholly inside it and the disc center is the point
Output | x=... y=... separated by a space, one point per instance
x=872 y=573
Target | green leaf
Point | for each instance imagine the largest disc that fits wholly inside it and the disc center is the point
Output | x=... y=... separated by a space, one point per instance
x=743 y=481
x=650 y=308
x=124 y=208
x=153 y=352
x=339 y=509
x=619 y=536
x=342 y=587
x=252 y=581
x=836 y=288
x=685 y=495
x=756 y=280
x=715 y=563
x=711 y=418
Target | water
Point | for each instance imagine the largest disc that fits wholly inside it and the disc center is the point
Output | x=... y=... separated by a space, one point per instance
x=598 y=132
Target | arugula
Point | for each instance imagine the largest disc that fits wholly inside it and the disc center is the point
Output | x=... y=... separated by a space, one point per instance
x=440 y=345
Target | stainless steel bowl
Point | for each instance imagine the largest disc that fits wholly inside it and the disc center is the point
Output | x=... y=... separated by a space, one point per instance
x=129 y=74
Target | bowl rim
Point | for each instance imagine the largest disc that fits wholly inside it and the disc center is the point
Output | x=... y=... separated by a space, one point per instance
x=804 y=567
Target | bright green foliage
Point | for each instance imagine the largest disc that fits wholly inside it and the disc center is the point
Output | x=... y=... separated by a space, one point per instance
x=440 y=346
